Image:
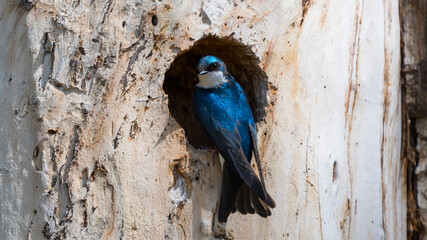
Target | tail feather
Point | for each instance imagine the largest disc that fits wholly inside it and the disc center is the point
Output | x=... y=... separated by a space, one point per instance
x=237 y=196
x=260 y=207
x=246 y=194
x=241 y=200
x=249 y=202
x=229 y=193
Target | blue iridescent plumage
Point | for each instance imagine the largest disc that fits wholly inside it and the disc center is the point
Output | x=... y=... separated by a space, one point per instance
x=221 y=106
x=228 y=106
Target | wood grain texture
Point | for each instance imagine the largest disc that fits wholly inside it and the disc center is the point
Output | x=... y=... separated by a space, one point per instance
x=89 y=148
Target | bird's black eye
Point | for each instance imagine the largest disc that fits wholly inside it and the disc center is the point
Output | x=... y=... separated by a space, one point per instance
x=213 y=66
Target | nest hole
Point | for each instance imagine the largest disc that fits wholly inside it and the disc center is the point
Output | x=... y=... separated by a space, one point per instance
x=181 y=79
x=154 y=20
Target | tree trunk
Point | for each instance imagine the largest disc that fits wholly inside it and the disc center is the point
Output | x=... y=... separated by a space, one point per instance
x=98 y=139
x=414 y=96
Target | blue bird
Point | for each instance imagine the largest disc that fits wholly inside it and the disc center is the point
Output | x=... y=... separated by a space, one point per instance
x=221 y=106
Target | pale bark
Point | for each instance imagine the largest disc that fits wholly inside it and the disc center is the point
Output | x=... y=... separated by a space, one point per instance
x=89 y=149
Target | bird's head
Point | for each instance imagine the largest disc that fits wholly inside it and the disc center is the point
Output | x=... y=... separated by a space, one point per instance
x=211 y=72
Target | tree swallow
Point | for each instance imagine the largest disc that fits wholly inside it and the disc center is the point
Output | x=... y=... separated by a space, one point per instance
x=221 y=106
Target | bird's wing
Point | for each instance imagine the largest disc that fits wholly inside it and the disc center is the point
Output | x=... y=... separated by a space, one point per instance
x=252 y=130
x=228 y=144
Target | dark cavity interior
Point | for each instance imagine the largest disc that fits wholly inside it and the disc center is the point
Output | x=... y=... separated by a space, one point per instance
x=181 y=79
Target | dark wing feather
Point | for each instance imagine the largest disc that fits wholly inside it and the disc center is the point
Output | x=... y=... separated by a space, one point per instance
x=228 y=144
x=258 y=162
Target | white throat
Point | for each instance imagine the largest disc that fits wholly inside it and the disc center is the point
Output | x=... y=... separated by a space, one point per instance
x=211 y=79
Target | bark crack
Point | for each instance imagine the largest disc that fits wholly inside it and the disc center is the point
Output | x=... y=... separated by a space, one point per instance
x=386 y=105
x=64 y=195
x=351 y=100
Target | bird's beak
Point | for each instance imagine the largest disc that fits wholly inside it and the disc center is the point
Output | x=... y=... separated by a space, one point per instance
x=203 y=72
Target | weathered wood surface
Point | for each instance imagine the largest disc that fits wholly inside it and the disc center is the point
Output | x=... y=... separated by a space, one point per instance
x=89 y=149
